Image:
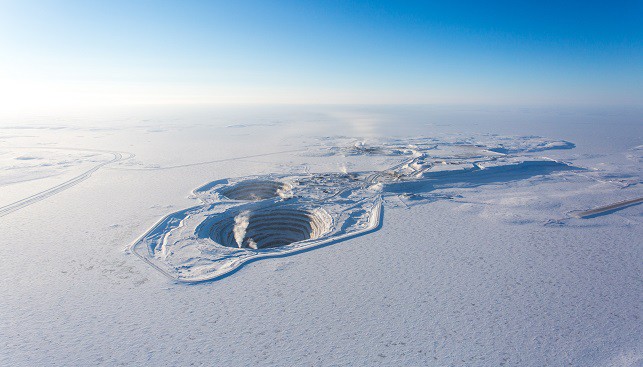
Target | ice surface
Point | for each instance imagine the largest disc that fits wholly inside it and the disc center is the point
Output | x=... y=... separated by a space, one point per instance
x=479 y=256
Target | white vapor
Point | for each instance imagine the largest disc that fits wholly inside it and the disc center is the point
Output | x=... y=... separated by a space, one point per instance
x=241 y=222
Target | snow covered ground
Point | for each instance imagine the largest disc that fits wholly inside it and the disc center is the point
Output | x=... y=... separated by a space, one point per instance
x=484 y=252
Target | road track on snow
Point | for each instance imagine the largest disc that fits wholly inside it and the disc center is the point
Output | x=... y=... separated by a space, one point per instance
x=118 y=157
x=607 y=208
x=207 y=162
x=42 y=195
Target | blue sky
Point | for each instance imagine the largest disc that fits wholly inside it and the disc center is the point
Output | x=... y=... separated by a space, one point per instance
x=456 y=52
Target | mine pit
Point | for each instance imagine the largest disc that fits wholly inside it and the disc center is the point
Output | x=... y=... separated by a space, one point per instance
x=271 y=227
x=254 y=190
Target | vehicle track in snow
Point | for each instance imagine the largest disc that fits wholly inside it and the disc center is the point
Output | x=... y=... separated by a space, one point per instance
x=207 y=162
x=42 y=195
x=118 y=157
x=607 y=208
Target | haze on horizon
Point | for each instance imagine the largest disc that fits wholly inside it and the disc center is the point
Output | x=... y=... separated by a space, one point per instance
x=59 y=55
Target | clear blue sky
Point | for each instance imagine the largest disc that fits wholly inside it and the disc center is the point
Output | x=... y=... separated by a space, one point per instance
x=236 y=51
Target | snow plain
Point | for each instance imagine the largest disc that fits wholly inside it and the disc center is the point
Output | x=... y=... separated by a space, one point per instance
x=467 y=272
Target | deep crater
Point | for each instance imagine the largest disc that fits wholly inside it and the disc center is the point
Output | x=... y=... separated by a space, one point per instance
x=254 y=190
x=270 y=227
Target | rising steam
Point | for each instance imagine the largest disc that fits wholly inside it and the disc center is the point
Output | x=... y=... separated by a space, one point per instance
x=241 y=222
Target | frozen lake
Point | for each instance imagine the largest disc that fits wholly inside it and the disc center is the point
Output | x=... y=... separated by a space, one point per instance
x=384 y=236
